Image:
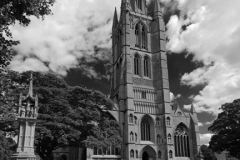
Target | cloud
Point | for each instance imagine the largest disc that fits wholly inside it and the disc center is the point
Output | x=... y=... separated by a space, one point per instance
x=187 y=107
x=173 y=98
x=200 y=124
x=59 y=41
x=210 y=32
x=205 y=138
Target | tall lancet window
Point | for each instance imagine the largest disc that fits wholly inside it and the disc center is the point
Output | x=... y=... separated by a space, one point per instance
x=137 y=64
x=137 y=35
x=145 y=130
x=146 y=62
x=181 y=140
x=143 y=40
x=119 y=37
x=139 y=4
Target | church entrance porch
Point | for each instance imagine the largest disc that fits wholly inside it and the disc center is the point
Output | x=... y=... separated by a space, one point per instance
x=148 y=153
x=145 y=156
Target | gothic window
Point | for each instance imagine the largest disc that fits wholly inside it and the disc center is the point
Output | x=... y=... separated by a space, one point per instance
x=170 y=154
x=157 y=122
x=119 y=39
x=144 y=95
x=136 y=64
x=95 y=151
x=136 y=137
x=168 y=121
x=139 y=4
x=137 y=35
x=158 y=139
x=145 y=130
x=179 y=113
x=169 y=138
x=146 y=62
x=136 y=154
x=143 y=40
x=159 y=154
x=117 y=74
x=111 y=150
x=131 y=137
x=132 y=154
x=100 y=151
x=135 y=119
x=181 y=140
x=130 y=118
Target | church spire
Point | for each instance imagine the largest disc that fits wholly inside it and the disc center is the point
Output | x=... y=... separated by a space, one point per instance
x=30 y=91
x=157 y=9
x=115 y=19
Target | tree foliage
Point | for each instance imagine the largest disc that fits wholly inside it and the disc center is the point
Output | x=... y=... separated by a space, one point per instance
x=7 y=146
x=68 y=116
x=226 y=129
x=206 y=153
x=12 y=11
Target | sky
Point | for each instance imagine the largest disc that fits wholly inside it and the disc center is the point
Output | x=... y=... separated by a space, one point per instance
x=203 y=38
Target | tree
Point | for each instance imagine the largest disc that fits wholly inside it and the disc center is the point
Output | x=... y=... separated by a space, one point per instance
x=226 y=129
x=12 y=11
x=68 y=116
x=7 y=146
x=206 y=153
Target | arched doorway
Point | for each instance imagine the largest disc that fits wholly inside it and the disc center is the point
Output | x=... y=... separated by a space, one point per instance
x=63 y=157
x=145 y=156
x=148 y=153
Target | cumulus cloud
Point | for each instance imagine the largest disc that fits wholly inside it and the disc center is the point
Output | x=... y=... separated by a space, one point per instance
x=210 y=30
x=62 y=39
x=173 y=98
x=205 y=138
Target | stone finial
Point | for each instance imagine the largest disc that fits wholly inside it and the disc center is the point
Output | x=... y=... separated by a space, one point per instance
x=115 y=19
x=30 y=91
x=157 y=8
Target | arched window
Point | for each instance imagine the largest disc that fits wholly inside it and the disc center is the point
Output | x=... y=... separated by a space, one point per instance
x=132 y=154
x=159 y=154
x=170 y=154
x=135 y=120
x=143 y=40
x=146 y=62
x=169 y=138
x=136 y=154
x=144 y=95
x=119 y=39
x=158 y=139
x=139 y=4
x=137 y=35
x=145 y=130
x=95 y=151
x=137 y=64
x=157 y=121
x=131 y=137
x=181 y=141
x=136 y=137
x=118 y=73
x=130 y=118
x=168 y=121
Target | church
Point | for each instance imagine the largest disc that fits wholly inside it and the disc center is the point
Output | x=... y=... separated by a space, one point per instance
x=151 y=128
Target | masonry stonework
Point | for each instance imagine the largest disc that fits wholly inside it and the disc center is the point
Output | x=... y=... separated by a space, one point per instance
x=151 y=128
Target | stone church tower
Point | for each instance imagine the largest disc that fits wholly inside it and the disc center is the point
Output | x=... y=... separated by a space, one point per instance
x=151 y=128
